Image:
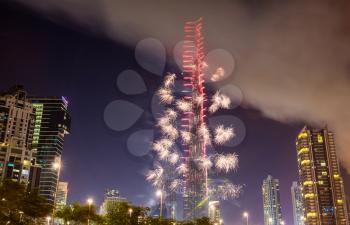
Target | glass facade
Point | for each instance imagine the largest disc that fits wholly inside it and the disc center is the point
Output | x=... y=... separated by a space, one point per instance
x=319 y=174
x=52 y=123
x=271 y=201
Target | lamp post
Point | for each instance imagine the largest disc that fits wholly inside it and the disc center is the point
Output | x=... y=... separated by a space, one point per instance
x=270 y=221
x=282 y=222
x=246 y=216
x=89 y=202
x=159 y=193
x=130 y=212
x=48 y=220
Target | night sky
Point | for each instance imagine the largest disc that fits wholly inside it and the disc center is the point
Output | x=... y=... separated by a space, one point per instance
x=51 y=59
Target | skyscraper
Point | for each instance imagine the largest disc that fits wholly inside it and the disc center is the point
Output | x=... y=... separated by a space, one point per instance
x=297 y=201
x=322 y=185
x=214 y=212
x=271 y=201
x=196 y=180
x=61 y=195
x=52 y=123
x=16 y=132
x=111 y=201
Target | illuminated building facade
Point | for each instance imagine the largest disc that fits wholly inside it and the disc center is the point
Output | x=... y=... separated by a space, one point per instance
x=61 y=195
x=322 y=185
x=271 y=201
x=111 y=201
x=16 y=132
x=52 y=123
x=297 y=201
x=214 y=212
x=195 y=197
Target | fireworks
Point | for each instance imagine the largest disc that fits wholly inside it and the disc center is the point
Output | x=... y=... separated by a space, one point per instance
x=182 y=169
x=186 y=136
x=204 y=133
x=184 y=105
x=226 y=190
x=219 y=101
x=173 y=158
x=223 y=134
x=218 y=75
x=175 y=184
x=166 y=95
x=227 y=162
x=155 y=176
x=169 y=80
x=205 y=163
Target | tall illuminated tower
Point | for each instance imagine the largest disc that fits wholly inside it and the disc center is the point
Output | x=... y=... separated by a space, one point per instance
x=271 y=201
x=322 y=185
x=52 y=123
x=297 y=200
x=196 y=180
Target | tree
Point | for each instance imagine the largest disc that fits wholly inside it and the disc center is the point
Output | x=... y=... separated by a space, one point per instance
x=79 y=214
x=17 y=206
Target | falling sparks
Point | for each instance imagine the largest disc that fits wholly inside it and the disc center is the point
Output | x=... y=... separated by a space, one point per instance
x=182 y=168
x=205 y=163
x=227 y=162
x=173 y=158
x=218 y=75
x=169 y=80
x=155 y=176
x=166 y=95
x=184 y=105
x=170 y=170
x=219 y=101
x=186 y=136
x=175 y=184
x=226 y=191
x=162 y=145
x=223 y=134
x=204 y=133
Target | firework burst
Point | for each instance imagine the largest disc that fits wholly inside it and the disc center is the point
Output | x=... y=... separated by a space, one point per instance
x=226 y=163
x=219 y=101
x=223 y=134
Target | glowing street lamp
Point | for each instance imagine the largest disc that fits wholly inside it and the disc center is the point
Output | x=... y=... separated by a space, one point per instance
x=246 y=215
x=89 y=202
x=282 y=222
x=130 y=212
x=48 y=219
x=221 y=221
x=270 y=221
x=159 y=193
x=56 y=165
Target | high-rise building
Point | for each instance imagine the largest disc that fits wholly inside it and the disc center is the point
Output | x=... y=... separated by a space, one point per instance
x=214 y=212
x=271 y=201
x=52 y=123
x=16 y=131
x=195 y=197
x=111 y=201
x=297 y=201
x=322 y=185
x=61 y=195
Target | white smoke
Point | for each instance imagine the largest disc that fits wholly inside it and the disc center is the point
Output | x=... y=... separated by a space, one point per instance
x=292 y=57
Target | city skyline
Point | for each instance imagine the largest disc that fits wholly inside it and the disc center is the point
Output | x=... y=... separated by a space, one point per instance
x=84 y=67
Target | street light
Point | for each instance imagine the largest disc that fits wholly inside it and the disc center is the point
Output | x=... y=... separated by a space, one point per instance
x=282 y=222
x=246 y=215
x=48 y=220
x=221 y=221
x=270 y=221
x=130 y=212
x=159 y=193
x=89 y=202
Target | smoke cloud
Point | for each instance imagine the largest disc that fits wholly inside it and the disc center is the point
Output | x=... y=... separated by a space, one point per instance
x=292 y=56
